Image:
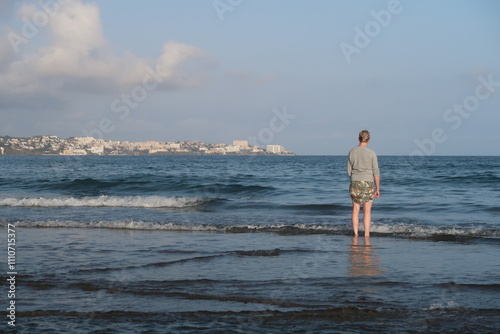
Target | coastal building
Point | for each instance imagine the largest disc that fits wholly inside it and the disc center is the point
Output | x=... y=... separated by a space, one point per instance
x=84 y=140
x=50 y=145
x=79 y=151
x=174 y=146
x=241 y=143
x=97 y=150
x=157 y=150
x=232 y=149
x=219 y=150
x=276 y=149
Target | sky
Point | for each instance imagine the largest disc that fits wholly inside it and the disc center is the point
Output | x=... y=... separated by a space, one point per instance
x=422 y=76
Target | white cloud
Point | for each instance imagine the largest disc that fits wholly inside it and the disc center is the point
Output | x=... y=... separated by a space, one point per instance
x=76 y=33
x=6 y=51
x=78 y=58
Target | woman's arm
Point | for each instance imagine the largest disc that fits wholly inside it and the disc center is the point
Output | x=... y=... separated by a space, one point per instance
x=377 y=185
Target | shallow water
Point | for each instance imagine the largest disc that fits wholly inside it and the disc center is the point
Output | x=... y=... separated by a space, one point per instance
x=250 y=245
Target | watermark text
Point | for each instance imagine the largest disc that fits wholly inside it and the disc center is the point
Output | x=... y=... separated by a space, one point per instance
x=11 y=274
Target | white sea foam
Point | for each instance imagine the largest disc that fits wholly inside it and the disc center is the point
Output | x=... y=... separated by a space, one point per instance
x=120 y=224
x=407 y=230
x=445 y=306
x=426 y=231
x=394 y=231
x=106 y=201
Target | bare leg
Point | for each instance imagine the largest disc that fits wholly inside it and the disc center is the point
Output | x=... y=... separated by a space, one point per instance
x=355 y=217
x=367 y=217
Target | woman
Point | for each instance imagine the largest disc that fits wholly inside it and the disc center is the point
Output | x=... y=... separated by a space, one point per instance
x=362 y=168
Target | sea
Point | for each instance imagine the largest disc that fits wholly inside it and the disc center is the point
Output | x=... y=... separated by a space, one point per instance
x=247 y=244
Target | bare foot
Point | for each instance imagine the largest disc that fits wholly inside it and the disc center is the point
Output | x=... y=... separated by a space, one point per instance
x=354 y=240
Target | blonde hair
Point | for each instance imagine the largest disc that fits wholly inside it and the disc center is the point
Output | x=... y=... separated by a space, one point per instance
x=364 y=136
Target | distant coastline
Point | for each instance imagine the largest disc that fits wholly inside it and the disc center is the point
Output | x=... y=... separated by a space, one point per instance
x=53 y=145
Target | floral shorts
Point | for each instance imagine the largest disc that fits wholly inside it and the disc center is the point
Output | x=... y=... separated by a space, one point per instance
x=362 y=191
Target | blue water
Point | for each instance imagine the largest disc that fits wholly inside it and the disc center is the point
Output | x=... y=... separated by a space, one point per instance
x=239 y=244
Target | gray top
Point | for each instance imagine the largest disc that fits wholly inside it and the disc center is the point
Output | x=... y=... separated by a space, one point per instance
x=362 y=164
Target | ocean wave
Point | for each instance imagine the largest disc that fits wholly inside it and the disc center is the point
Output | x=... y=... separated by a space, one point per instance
x=107 y=201
x=488 y=178
x=144 y=182
x=414 y=230
x=377 y=230
x=451 y=305
x=121 y=224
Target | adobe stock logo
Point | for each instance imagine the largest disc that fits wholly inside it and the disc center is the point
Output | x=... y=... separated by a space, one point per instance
x=223 y=6
x=277 y=123
x=373 y=28
x=127 y=102
x=455 y=116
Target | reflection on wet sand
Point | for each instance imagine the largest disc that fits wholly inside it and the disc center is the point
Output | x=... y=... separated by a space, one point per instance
x=363 y=260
